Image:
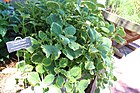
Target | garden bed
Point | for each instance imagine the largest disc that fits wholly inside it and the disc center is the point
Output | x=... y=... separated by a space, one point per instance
x=132 y=29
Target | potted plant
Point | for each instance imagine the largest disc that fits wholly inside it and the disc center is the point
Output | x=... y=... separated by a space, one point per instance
x=71 y=45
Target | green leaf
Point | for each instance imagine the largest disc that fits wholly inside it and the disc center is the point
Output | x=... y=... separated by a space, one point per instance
x=120 y=40
x=74 y=46
x=83 y=84
x=62 y=12
x=52 y=5
x=89 y=65
x=46 y=62
x=97 y=90
x=54 y=89
x=0 y=40
x=100 y=66
x=88 y=57
x=40 y=69
x=34 y=46
x=73 y=38
x=72 y=79
x=92 y=49
x=106 y=42
x=4 y=22
x=91 y=72
x=90 y=5
x=56 y=70
x=78 y=53
x=60 y=81
x=49 y=49
x=65 y=40
x=85 y=9
x=28 y=68
x=21 y=66
x=33 y=40
x=120 y=31
x=37 y=58
x=103 y=49
x=105 y=80
x=3 y=31
x=115 y=78
x=93 y=34
x=77 y=7
x=49 y=79
x=69 y=87
x=111 y=28
x=106 y=30
x=54 y=18
x=50 y=69
x=56 y=28
x=58 y=45
x=42 y=35
x=84 y=36
x=33 y=78
x=70 y=30
x=63 y=72
x=63 y=62
x=107 y=59
x=75 y=71
x=81 y=91
x=100 y=5
x=27 y=57
x=33 y=23
x=69 y=53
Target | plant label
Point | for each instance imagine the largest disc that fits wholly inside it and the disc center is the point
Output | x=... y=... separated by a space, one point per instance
x=18 y=44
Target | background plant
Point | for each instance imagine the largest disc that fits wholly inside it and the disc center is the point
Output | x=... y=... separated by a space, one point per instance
x=71 y=44
x=129 y=9
x=7 y=24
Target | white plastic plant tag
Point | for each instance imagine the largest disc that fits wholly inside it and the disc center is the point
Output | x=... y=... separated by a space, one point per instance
x=18 y=44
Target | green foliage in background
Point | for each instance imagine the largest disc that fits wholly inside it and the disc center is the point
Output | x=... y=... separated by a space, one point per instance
x=129 y=9
x=7 y=33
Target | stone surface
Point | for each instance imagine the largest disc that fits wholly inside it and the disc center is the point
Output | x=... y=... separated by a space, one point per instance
x=9 y=70
x=8 y=82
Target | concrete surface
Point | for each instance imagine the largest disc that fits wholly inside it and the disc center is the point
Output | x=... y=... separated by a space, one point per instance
x=127 y=70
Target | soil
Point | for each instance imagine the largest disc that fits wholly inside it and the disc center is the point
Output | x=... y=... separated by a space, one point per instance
x=8 y=63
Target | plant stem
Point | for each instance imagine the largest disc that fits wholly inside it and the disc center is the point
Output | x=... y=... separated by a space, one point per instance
x=23 y=26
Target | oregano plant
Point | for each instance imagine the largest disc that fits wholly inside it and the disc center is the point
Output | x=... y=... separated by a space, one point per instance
x=71 y=45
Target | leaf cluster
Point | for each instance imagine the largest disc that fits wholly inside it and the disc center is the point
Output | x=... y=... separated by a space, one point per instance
x=7 y=22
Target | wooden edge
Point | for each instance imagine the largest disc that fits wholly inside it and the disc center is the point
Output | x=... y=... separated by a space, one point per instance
x=133 y=46
x=117 y=53
x=94 y=85
x=119 y=21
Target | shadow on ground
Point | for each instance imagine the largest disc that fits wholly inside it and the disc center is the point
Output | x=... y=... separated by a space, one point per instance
x=124 y=89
